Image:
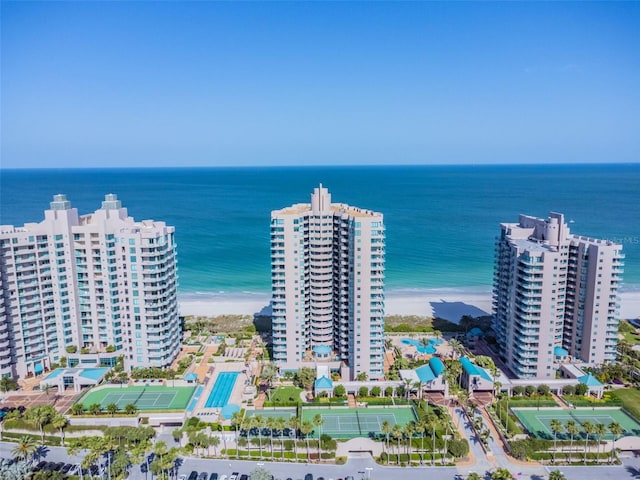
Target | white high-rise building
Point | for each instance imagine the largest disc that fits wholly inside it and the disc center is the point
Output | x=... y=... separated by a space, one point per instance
x=327 y=270
x=555 y=296
x=88 y=288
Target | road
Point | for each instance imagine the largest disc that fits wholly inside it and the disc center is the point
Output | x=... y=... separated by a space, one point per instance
x=363 y=467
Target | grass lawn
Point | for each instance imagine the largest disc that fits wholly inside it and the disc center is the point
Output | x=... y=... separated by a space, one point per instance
x=286 y=395
x=630 y=398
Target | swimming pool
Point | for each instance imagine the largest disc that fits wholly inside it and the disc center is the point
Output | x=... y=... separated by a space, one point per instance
x=422 y=348
x=221 y=390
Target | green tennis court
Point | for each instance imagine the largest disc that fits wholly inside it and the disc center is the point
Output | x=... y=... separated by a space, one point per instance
x=152 y=397
x=538 y=422
x=360 y=422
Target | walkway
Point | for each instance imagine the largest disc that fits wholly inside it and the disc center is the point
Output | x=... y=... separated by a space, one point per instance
x=203 y=367
x=352 y=400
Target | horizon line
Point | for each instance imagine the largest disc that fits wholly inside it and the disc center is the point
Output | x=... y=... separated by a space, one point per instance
x=184 y=167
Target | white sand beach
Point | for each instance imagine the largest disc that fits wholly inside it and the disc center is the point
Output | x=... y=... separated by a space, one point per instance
x=450 y=304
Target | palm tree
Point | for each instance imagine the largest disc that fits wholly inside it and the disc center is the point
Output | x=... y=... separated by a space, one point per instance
x=502 y=474
x=280 y=424
x=446 y=436
x=77 y=409
x=386 y=430
x=268 y=376
x=588 y=428
x=556 y=475
x=112 y=408
x=95 y=409
x=396 y=432
x=259 y=422
x=601 y=431
x=407 y=387
x=130 y=409
x=236 y=421
x=25 y=449
x=294 y=424
x=422 y=428
x=474 y=476
x=616 y=429
x=214 y=441
x=269 y=423
x=572 y=429
x=409 y=429
x=556 y=428
x=318 y=422
x=456 y=347
x=39 y=417
x=432 y=423
x=306 y=428
x=59 y=421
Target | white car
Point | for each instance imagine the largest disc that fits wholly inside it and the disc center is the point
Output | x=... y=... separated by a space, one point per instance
x=223 y=477
x=183 y=477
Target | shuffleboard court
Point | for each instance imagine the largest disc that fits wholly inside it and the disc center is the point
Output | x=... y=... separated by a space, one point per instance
x=538 y=422
x=152 y=397
x=361 y=422
x=285 y=413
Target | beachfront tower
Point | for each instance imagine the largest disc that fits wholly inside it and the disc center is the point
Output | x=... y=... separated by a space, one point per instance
x=90 y=288
x=554 y=293
x=327 y=271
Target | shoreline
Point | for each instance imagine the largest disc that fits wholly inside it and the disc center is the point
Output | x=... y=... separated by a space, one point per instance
x=447 y=303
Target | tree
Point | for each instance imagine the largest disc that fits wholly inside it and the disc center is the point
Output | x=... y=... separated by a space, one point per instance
x=396 y=432
x=581 y=389
x=386 y=430
x=306 y=428
x=214 y=441
x=616 y=430
x=95 y=409
x=375 y=391
x=556 y=475
x=501 y=474
x=318 y=422
x=363 y=392
x=544 y=390
x=306 y=376
x=432 y=423
x=8 y=383
x=601 y=431
x=59 y=421
x=474 y=476
x=268 y=376
x=556 y=428
x=294 y=424
x=280 y=424
x=39 y=417
x=130 y=409
x=236 y=421
x=568 y=390
x=572 y=429
x=339 y=391
x=25 y=449
x=112 y=408
x=270 y=424
x=362 y=377
x=408 y=430
x=260 y=473
x=77 y=409
x=588 y=428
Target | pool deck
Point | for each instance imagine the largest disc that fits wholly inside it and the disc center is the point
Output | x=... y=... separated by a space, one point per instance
x=236 y=394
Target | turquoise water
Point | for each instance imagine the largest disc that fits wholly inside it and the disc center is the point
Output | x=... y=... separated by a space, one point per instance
x=441 y=220
x=422 y=348
x=222 y=389
x=94 y=373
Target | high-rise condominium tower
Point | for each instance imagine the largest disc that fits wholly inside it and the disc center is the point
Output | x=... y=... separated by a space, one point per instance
x=554 y=292
x=88 y=288
x=327 y=270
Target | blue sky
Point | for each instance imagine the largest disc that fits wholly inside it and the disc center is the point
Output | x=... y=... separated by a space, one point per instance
x=94 y=84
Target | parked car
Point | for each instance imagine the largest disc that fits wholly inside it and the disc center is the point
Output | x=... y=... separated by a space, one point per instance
x=193 y=475
x=308 y=476
x=203 y=476
x=244 y=477
x=213 y=476
x=234 y=476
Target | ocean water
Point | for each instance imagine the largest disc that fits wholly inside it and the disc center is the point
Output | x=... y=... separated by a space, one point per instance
x=441 y=221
